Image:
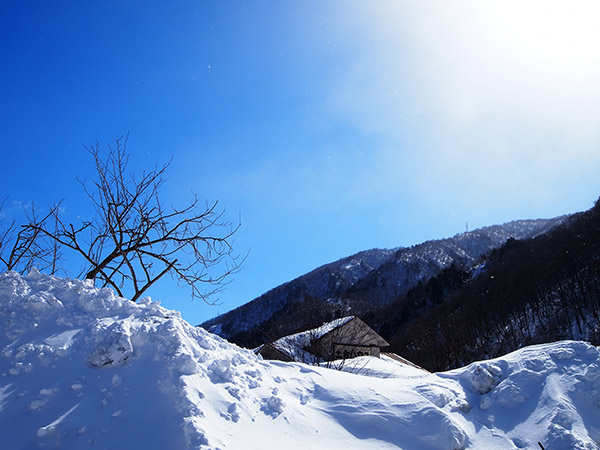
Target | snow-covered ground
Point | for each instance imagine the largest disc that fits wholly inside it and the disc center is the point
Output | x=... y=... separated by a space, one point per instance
x=80 y=367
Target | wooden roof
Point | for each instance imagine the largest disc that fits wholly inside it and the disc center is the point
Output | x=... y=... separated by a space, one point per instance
x=359 y=333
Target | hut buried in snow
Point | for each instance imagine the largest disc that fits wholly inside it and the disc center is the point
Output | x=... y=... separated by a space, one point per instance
x=343 y=338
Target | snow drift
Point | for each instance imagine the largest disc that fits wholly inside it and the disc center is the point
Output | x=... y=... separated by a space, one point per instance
x=80 y=367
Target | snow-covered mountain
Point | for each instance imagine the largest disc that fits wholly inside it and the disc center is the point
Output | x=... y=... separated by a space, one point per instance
x=419 y=263
x=526 y=292
x=82 y=368
x=321 y=283
x=366 y=280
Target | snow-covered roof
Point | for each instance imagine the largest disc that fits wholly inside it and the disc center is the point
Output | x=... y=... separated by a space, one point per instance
x=328 y=327
x=304 y=338
x=295 y=345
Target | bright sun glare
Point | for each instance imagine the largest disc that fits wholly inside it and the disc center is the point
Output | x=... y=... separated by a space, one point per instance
x=556 y=32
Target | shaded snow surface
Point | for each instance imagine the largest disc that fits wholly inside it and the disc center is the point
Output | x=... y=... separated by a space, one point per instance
x=80 y=367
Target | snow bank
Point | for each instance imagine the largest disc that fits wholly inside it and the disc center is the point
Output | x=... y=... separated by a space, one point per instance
x=371 y=366
x=80 y=367
x=547 y=393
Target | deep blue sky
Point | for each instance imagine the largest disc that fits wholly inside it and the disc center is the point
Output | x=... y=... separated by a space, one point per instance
x=330 y=127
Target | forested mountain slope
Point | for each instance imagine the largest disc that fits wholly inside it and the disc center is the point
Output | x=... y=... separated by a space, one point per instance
x=412 y=265
x=530 y=291
x=362 y=283
x=242 y=324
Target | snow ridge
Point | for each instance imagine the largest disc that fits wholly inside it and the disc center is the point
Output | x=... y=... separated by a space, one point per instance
x=81 y=367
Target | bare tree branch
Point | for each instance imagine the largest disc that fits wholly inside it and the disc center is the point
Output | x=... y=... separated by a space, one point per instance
x=133 y=241
x=23 y=247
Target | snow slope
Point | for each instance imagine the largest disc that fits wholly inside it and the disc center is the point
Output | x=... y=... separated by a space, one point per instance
x=80 y=367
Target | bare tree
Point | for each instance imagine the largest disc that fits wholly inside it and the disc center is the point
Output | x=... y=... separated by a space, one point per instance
x=134 y=240
x=23 y=247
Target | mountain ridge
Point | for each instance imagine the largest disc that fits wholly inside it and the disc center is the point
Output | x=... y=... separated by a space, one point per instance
x=525 y=292
x=370 y=278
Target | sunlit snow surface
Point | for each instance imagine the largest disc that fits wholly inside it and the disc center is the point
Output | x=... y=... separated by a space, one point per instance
x=80 y=367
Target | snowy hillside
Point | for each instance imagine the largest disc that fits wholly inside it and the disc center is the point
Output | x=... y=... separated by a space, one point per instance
x=378 y=276
x=421 y=262
x=80 y=368
x=321 y=283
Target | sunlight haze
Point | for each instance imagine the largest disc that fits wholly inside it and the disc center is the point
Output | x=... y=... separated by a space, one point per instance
x=325 y=127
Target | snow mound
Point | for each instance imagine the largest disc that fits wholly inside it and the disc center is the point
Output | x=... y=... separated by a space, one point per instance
x=81 y=367
x=547 y=393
